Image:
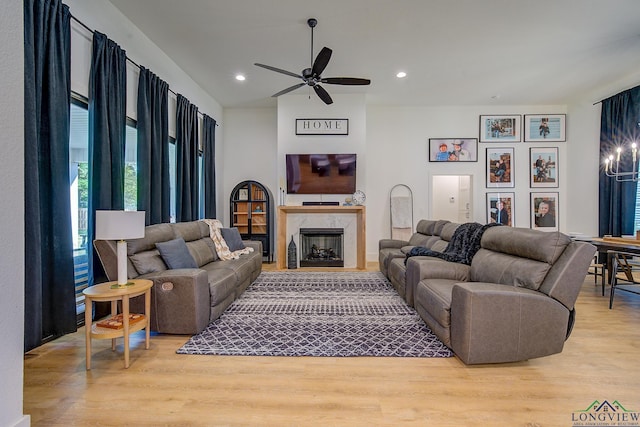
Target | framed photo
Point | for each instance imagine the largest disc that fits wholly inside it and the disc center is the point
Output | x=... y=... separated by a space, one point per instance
x=453 y=149
x=543 y=162
x=545 y=127
x=500 y=208
x=544 y=211
x=500 y=128
x=243 y=194
x=500 y=164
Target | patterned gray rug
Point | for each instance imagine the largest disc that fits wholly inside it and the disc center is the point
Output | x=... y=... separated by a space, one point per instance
x=318 y=314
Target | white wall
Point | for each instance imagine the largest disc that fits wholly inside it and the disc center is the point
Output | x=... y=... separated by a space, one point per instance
x=12 y=220
x=252 y=154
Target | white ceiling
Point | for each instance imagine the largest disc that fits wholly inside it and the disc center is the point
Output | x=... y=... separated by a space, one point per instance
x=455 y=52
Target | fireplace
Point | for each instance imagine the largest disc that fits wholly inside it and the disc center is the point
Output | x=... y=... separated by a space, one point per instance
x=321 y=247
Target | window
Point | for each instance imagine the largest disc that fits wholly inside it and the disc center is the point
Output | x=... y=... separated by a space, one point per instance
x=79 y=188
x=131 y=167
x=79 y=195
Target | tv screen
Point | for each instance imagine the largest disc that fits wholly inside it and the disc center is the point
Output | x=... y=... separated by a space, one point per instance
x=321 y=173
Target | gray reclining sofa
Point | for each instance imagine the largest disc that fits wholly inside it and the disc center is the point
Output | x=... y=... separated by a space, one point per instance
x=514 y=302
x=185 y=300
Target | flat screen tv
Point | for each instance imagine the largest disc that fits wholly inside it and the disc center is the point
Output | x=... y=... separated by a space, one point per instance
x=321 y=173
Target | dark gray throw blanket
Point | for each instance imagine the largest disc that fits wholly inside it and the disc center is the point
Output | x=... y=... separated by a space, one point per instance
x=464 y=244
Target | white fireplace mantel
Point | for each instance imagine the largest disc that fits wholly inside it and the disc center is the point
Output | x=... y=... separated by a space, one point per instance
x=358 y=211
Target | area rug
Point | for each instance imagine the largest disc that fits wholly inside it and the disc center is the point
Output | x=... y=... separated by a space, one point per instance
x=318 y=314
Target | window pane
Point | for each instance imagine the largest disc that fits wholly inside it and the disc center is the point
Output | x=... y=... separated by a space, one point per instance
x=79 y=197
x=130 y=169
x=172 y=179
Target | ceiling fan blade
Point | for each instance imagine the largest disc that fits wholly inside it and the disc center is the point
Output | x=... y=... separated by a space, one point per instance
x=323 y=94
x=353 y=81
x=321 y=61
x=279 y=70
x=287 y=90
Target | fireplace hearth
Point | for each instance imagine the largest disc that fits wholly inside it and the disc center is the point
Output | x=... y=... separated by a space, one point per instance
x=321 y=247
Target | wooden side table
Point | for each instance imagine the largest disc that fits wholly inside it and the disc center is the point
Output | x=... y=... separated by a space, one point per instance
x=107 y=292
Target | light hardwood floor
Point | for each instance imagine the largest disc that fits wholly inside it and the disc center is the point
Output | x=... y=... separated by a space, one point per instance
x=599 y=362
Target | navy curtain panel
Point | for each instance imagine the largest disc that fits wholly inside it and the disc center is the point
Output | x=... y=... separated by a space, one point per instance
x=619 y=121
x=107 y=132
x=50 y=309
x=209 y=153
x=153 y=148
x=186 y=160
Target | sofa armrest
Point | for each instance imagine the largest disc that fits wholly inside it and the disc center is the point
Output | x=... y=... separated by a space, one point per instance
x=180 y=302
x=492 y=323
x=425 y=267
x=255 y=244
x=392 y=243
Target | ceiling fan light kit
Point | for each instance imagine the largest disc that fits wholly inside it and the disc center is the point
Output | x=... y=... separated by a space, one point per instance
x=312 y=76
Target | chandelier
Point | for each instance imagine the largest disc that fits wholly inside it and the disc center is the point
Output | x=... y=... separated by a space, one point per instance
x=612 y=169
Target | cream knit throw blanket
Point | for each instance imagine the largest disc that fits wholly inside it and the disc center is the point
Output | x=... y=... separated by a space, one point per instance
x=224 y=253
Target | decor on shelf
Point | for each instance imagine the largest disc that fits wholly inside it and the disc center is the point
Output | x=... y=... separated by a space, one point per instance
x=500 y=170
x=120 y=225
x=292 y=255
x=544 y=211
x=500 y=208
x=500 y=128
x=544 y=128
x=613 y=170
x=359 y=198
x=453 y=149
x=543 y=162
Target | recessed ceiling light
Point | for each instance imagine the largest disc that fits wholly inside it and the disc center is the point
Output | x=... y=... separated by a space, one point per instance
x=240 y=77
x=401 y=75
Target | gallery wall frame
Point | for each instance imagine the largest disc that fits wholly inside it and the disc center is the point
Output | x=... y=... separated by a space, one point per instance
x=501 y=208
x=544 y=211
x=545 y=128
x=453 y=149
x=500 y=128
x=543 y=164
x=500 y=167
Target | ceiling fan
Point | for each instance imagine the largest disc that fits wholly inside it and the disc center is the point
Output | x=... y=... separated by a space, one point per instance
x=312 y=76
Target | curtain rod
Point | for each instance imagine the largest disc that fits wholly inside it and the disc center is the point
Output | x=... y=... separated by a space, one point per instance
x=86 y=27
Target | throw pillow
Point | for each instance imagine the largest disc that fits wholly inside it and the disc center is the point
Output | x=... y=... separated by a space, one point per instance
x=176 y=254
x=233 y=239
x=148 y=262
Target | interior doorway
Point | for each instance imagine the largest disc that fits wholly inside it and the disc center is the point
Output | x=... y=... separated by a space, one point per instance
x=451 y=198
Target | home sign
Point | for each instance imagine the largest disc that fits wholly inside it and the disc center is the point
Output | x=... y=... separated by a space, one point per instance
x=322 y=126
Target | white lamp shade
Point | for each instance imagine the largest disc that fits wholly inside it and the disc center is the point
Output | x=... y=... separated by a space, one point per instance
x=119 y=225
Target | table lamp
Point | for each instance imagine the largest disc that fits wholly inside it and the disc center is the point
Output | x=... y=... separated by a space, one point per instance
x=120 y=225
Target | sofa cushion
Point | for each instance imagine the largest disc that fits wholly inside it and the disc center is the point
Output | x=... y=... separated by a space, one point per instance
x=152 y=235
x=190 y=230
x=425 y=226
x=212 y=246
x=439 y=245
x=148 y=262
x=447 y=231
x=495 y=267
x=437 y=229
x=435 y=296
x=201 y=252
x=176 y=254
x=233 y=239
x=526 y=243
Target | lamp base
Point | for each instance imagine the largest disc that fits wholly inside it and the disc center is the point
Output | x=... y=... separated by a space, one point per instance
x=119 y=286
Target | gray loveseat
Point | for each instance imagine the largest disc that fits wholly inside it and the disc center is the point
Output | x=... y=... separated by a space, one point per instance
x=514 y=302
x=185 y=300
